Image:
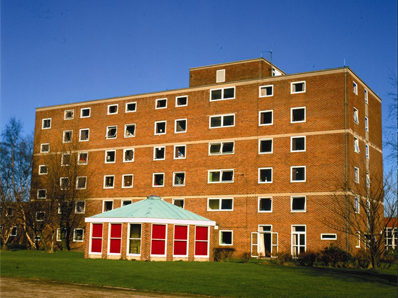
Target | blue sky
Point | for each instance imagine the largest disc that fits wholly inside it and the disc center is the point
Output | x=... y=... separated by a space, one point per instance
x=56 y=52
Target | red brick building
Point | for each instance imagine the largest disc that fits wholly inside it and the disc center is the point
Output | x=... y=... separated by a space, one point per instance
x=266 y=155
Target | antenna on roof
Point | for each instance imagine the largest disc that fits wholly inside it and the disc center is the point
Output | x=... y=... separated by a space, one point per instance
x=266 y=52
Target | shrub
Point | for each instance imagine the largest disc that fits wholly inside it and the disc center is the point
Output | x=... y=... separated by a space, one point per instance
x=283 y=257
x=222 y=254
x=245 y=257
x=362 y=258
x=308 y=258
x=333 y=255
x=389 y=258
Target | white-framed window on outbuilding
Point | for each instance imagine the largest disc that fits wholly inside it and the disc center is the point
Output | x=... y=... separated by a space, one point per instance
x=180 y=247
x=265 y=118
x=134 y=239
x=179 y=151
x=221 y=176
x=78 y=235
x=221 y=148
x=297 y=144
x=113 y=109
x=218 y=121
x=46 y=123
x=222 y=93
x=131 y=107
x=160 y=127
x=297 y=174
x=115 y=238
x=265 y=146
x=297 y=87
x=265 y=204
x=266 y=91
x=265 y=175
x=297 y=115
x=161 y=103
x=182 y=101
x=298 y=240
x=158 y=240
x=226 y=237
x=220 y=204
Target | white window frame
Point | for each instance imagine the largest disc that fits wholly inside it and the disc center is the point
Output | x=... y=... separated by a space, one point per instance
x=124 y=201
x=165 y=127
x=293 y=84
x=40 y=212
x=156 y=103
x=43 y=121
x=355 y=87
x=61 y=184
x=298 y=233
x=222 y=121
x=59 y=233
x=221 y=148
x=180 y=157
x=41 y=148
x=80 y=134
x=128 y=239
x=164 y=152
x=174 y=179
x=111 y=106
x=183 y=202
x=45 y=194
x=272 y=146
x=124 y=154
x=265 y=124
x=165 y=240
x=176 y=123
x=128 y=103
x=367 y=151
x=104 y=204
x=107 y=136
x=221 y=171
x=132 y=181
x=259 y=175
x=232 y=238
x=291 y=174
x=66 y=113
x=153 y=179
x=84 y=109
x=74 y=234
x=14 y=231
x=356 y=117
x=220 y=204
x=84 y=207
x=78 y=159
x=298 y=108
x=301 y=210
x=356 y=175
x=125 y=130
x=64 y=134
x=265 y=87
x=357 y=205
x=113 y=184
x=106 y=155
x=358 y=238
x=222 y=93
x=220 y=75
x=259 y=204
x=110 y=238
x=77 y=182
x=62 y=159
x=298 y=137
x=43 y=167
x=366 y=124
x=181 y=105
x=356 y=145
x=366 y=95
x=329 y=234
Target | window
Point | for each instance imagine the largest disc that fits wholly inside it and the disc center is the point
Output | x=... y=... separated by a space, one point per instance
x=128 y=155
x=356 y=120
x=160 y=127
x=179 y=203
x=297 y=115
x=109 y=181
x=356 y=145
x=158 y=246
x=265 y=175
x=85 y=112
x=358 y=239
x=222 y=121
x=367 y=151
x=41 y=194
x=220 y=76
x=180 y=126
x=112 y=109
x=131 y=107
x=161 y=103
x=220 y=176
x=179 y=179
x=134 y=240
x=78 y=235
x=64 y=183
x=45 y=148
x=367 y=179
x=298 y=204
x=110 y=156
x=158 y=180
x=111 y=132
x=96 y=238
x=129 y=130
x=61 y=234
x=80 y=207
x=180 y=241
x=356 y=175
x=297 y=144
x=43 y=170
x=201 y=241
x=65 y=160
x=81 y=182
x=84 y=135
x=69 y=114
x=126 y=202
x=159 y=153
x=265 y=146
x=220 y=204
x=325 y=236
x=298 y=240
x=127 y=181
x=298 y=174
x=46 y=123
x=82 y=158
x=366 y=96
x=266 y=91
x=357 y=207
x=40 y=215
x=10 y=212
x=115 y=238
x=355 y=87
x=226 y=238
x=221 y=148
x=181 y=101
x=297 y=87
x=67 y=136
x=222 y=93
x=265 y=118
x=179 y=151
x=14 y=231
x=366 y=124
x=107 y=206
x=264 y=204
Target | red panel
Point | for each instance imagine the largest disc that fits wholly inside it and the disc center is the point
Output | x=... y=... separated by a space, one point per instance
x=158 y=247
x=180 y=248
x=116 y=230
x=158 y=232
x=181 y=232
x=97 y=230
x=201 y=248
x=115 y=246
x=96 y=245
x=201 y=233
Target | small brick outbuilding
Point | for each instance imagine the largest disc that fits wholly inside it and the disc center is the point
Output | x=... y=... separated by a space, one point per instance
x=150 y=229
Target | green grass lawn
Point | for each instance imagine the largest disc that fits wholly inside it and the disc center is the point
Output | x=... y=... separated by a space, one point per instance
x=207 y=278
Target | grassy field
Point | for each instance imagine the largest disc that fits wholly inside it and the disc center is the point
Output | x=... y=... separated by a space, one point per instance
x=213 y=279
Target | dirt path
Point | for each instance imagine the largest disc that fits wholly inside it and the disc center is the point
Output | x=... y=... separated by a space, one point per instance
x=15 y=287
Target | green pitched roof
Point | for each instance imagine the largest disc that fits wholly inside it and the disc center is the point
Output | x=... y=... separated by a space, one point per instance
x=153 y=209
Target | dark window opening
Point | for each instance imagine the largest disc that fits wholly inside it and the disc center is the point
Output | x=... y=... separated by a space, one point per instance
x=265 y=204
